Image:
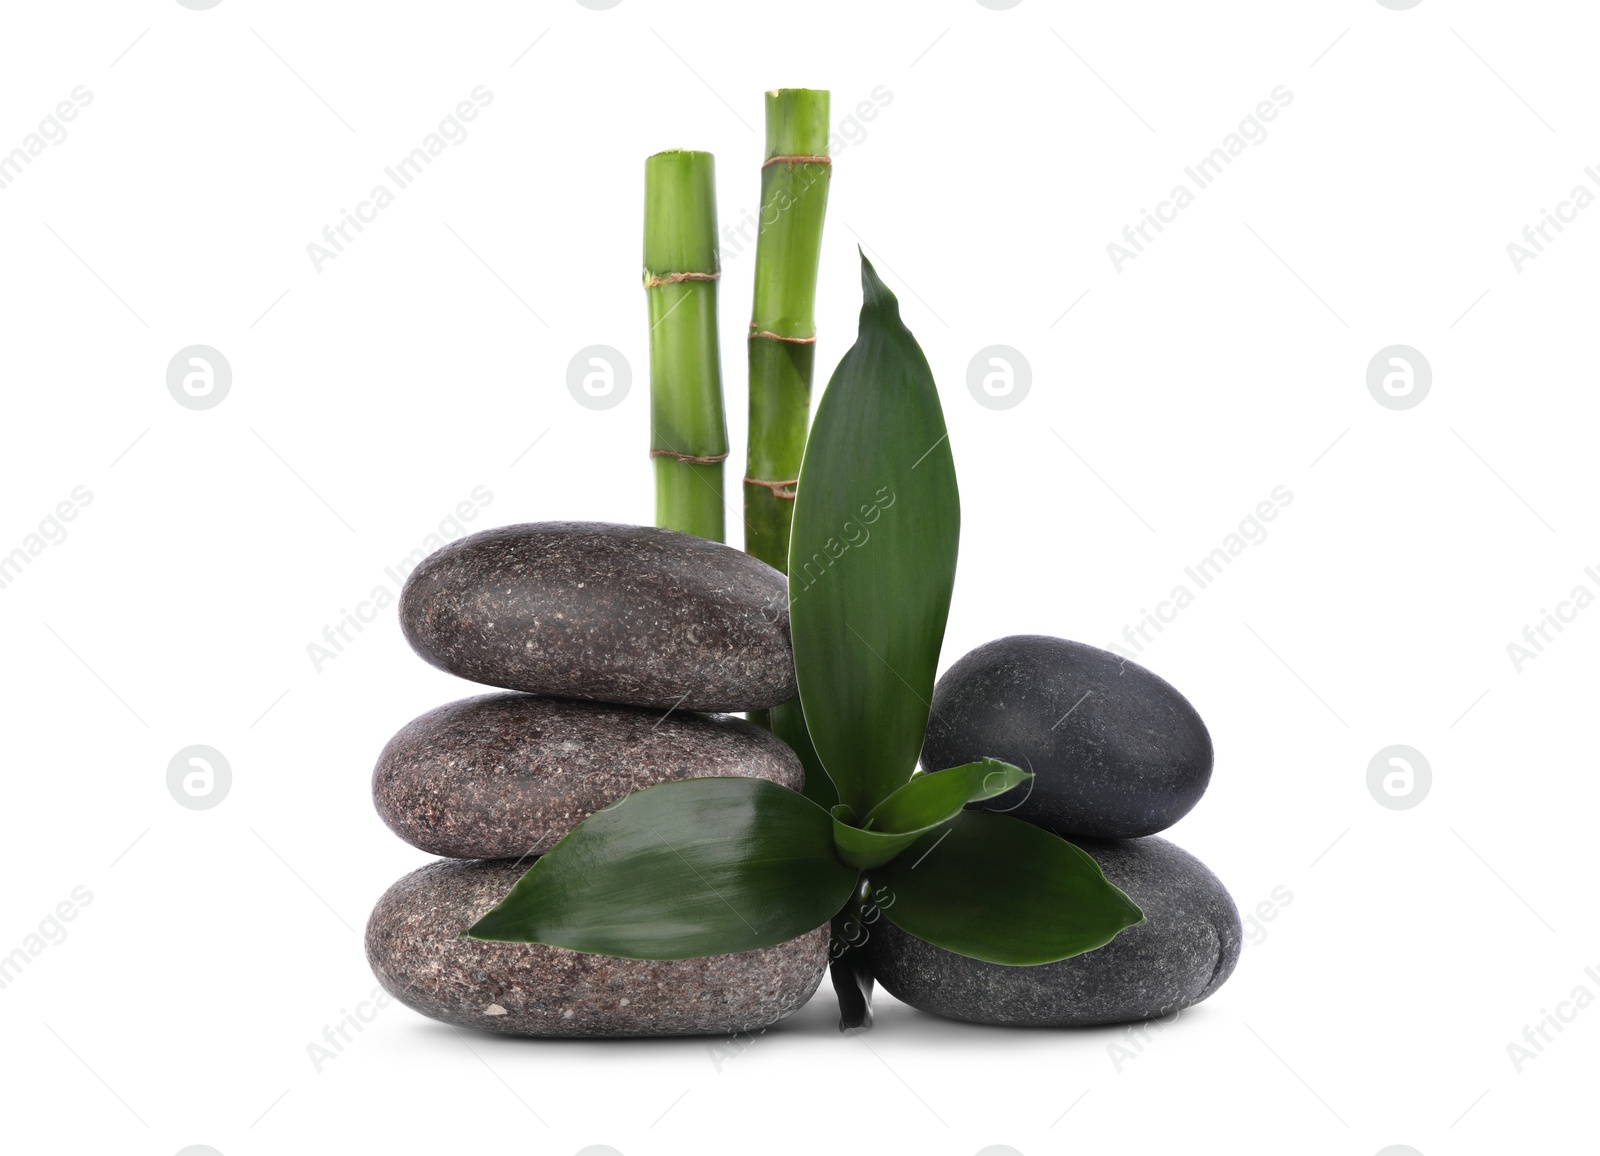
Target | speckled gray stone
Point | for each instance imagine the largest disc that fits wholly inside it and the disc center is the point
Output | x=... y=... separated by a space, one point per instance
x=626 y=614
x=526 y=989
x=1186 y=949
x=506 y=775
x=1115 y=750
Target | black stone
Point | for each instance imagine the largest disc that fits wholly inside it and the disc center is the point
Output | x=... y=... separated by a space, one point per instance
x=590 y=610
x=1186 y=949
x=1116 y=752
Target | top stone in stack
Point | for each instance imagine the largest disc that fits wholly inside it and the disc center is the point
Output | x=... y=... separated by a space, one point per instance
x=609 y=613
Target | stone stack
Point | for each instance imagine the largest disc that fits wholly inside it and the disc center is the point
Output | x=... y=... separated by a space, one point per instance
x=621 y=645
x=1117 y=755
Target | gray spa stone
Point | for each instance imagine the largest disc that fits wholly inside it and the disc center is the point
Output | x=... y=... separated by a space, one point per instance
x=1115 y=750
x=507 y=775
x=416 y=950
x=610 y=613
x=1186 y=949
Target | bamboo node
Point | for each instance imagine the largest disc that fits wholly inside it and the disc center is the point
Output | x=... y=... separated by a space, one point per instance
x=674 y=278
x=783 y=490
x=801 y=159
x=767 y=333
x=690 y=459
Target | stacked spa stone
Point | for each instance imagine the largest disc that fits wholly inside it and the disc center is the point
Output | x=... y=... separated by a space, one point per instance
x=1117 y=755
x=616 y=641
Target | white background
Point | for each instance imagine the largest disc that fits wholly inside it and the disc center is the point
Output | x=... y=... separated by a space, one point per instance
x=1168 y=399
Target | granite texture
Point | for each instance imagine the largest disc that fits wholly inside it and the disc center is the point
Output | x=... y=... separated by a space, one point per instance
x=419 y=956
x=624 y=614
x=1116 y=752
x=507 y=775
x=1186 y=949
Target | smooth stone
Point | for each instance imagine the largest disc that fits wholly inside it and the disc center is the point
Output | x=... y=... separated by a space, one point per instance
x=591 y=610
x=507 y=775
x=416 y=949
x=1186 y=949
x=1116 y=751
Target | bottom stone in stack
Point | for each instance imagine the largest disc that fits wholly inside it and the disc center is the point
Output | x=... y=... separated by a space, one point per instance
x=417 y=951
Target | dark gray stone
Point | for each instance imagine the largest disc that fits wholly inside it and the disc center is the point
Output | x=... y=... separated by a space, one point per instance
x=1116 y=752
x=1186 y=948
x=506 y=775
x=527 y=989
x=627 y=614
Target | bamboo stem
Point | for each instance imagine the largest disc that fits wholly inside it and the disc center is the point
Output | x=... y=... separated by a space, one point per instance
x=688 y=431
x=782 y=348
x=794 y=199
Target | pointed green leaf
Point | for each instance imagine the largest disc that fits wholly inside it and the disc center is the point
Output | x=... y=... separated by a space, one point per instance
x=693 y=868
x=864 y=849
x=872 y=556
x=788 y=722
x=926 y=802
x=999 y=889
x=931 y=799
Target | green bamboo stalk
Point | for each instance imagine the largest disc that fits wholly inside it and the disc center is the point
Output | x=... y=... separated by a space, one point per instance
x=688 y=431
x=794 y=200
x=783 y=334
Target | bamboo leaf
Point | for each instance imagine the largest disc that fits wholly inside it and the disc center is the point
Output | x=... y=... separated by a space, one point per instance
x=931 y=799
x=999 y=889
x=693 y=868
x=873 y=556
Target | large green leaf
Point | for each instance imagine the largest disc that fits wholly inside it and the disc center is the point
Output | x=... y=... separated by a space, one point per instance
x=931 y=799
x=788 y=722
x=872 y=556
x=999 y=889
x=693 y=868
